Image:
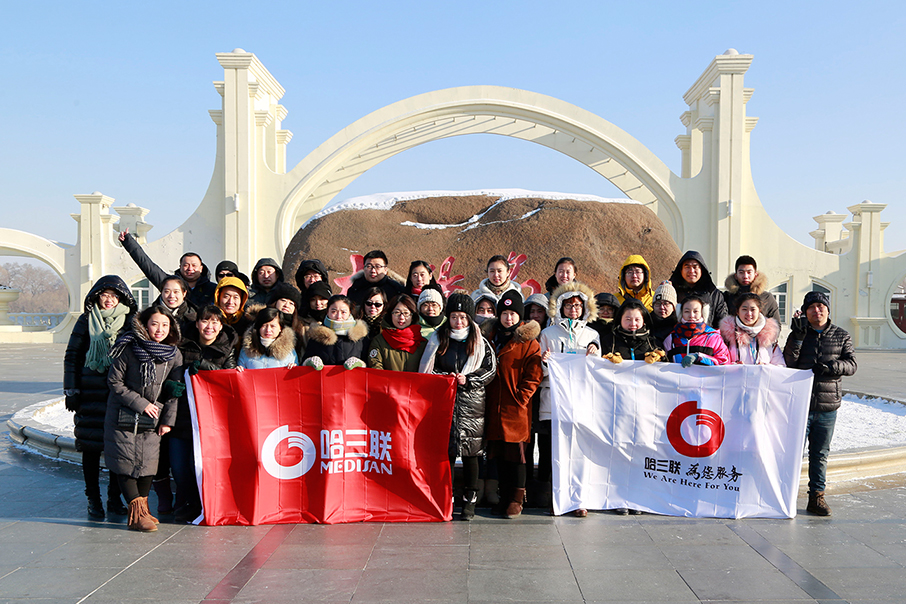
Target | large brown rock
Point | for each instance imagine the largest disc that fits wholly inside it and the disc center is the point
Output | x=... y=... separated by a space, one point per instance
x=598 y=236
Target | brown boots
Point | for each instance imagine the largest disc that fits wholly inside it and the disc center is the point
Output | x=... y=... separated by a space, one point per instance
x=817 y=505
x=514 y=509
x=140 y=519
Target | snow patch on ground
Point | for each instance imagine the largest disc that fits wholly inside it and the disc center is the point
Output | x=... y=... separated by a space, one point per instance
x=861 y=422
x=385 y=201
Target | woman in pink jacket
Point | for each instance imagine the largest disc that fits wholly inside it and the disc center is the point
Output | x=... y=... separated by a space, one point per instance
x=751 y=337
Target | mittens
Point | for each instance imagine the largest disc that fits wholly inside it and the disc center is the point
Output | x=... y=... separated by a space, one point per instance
x=172 y=389
x=690 y=359
x=353 y=363
x=614 y=357
x=654 y=356
x=314 y=362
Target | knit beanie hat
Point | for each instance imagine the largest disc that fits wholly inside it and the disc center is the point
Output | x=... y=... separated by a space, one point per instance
x=430 y=295
x=666 y=292
x=511 y=300
x=284 y=290
x=460 y=303
x=815 y=298
x=319 y=288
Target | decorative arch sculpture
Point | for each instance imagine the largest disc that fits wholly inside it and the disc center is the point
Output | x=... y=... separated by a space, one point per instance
x=537 y=118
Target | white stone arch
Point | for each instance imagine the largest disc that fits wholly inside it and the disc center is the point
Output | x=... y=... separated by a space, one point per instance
x=887 y=298
x=537 y=118
x=27 y=245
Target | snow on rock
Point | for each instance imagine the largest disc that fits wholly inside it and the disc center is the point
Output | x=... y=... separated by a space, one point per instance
x=385 y=201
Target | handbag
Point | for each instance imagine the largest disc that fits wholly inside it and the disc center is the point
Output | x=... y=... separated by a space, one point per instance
x=130 y=421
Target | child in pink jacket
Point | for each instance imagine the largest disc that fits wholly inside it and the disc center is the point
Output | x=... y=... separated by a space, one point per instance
x=692 y=341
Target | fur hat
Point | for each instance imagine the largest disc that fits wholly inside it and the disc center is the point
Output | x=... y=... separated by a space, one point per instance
x=666 y=292
x=511 y=300
x=815 y=298
x=460 y=303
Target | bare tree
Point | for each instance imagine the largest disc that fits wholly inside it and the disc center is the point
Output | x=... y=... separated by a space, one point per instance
x=42 y=289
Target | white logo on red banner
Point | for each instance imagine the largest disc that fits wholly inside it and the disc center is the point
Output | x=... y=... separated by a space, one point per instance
x=297 y=440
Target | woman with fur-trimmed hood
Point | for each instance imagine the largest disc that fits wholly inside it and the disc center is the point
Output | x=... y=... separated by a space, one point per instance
x=571 y=307
x=340 y=339
x=635 y=281
x=508 y=400
x=268 y=342
x=751 y=337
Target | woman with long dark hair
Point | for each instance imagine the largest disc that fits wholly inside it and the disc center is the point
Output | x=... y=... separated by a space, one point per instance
x=140 y=408
x=457 y=348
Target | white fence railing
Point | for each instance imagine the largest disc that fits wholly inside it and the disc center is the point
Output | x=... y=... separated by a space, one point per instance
x=37 y=319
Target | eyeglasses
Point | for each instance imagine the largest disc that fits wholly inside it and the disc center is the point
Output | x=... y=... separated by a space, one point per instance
x=373 y=304
x=398 y=313
x=430 y=305
x=108 y=295
x=223 y=274
x=375 y=267
x=579 y=305
x=634 y=271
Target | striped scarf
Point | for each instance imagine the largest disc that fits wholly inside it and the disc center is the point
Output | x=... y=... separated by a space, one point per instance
x=146 y=351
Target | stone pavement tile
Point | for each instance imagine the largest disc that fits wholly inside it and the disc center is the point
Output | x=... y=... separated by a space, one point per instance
x=214 y=536
x=608 y=557
x=418 y=557
x=716 y=557
x=633 y=586
x=841 y=556
x=525 y=534
x=485 y=556
x=318 y=556
x=864 y=583
x=736 y=584
x=209 y=556
x=617 y=534
x=872 y=533
x=424 y=533
x=896 y=552
x=523 y=586
x=63 y=583
x=161 y=584
x=693 y=533
x=300 y=585
x=379 y=585
x=818 y=532
x=91 y=555
x=361 y=534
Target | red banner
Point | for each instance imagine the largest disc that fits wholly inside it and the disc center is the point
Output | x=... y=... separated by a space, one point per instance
x=300 y=445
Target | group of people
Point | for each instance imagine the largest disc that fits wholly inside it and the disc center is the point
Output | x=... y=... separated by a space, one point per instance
x=124 y=369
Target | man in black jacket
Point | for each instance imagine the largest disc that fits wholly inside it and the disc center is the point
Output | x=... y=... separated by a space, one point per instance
x=191 y=269
x=691 y=276
x=817 y=344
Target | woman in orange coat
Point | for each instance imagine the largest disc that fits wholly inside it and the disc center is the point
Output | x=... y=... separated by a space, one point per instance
x=508 y=401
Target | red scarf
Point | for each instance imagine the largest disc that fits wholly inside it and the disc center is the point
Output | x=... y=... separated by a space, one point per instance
x=406 y=339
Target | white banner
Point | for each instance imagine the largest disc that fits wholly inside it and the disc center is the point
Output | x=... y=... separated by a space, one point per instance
x=722 y=442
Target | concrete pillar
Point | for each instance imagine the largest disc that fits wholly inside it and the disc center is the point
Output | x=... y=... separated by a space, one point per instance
x=131 y=217
x=95 y=238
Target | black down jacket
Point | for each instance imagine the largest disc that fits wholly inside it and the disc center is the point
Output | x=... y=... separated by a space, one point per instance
x=832 y=347
x=467 y=429
x=90 y=405
x=704 y=287
x=221 y=354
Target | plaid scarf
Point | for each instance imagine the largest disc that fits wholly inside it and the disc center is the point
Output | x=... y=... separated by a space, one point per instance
x=146 y=351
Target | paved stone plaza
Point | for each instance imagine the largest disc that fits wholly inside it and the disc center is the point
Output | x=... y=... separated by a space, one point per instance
x=49 y=552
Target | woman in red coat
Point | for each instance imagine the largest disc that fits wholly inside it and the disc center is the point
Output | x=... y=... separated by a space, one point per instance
x=509 y=397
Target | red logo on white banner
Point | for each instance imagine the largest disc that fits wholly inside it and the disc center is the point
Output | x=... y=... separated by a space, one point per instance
x=704 y=417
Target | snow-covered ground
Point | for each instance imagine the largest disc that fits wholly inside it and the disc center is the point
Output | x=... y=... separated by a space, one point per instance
x=385 y=201
x=861 y=422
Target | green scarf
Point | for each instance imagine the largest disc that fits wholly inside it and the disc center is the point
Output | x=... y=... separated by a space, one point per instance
x=103 y=327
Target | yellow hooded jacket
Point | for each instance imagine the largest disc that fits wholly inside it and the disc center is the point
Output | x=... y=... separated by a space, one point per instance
x=645 y=295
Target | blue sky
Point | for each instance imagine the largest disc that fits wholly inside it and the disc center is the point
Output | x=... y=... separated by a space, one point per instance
x=114 y=97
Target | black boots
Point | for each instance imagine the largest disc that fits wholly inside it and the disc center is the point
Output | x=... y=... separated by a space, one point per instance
x=469 y=499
